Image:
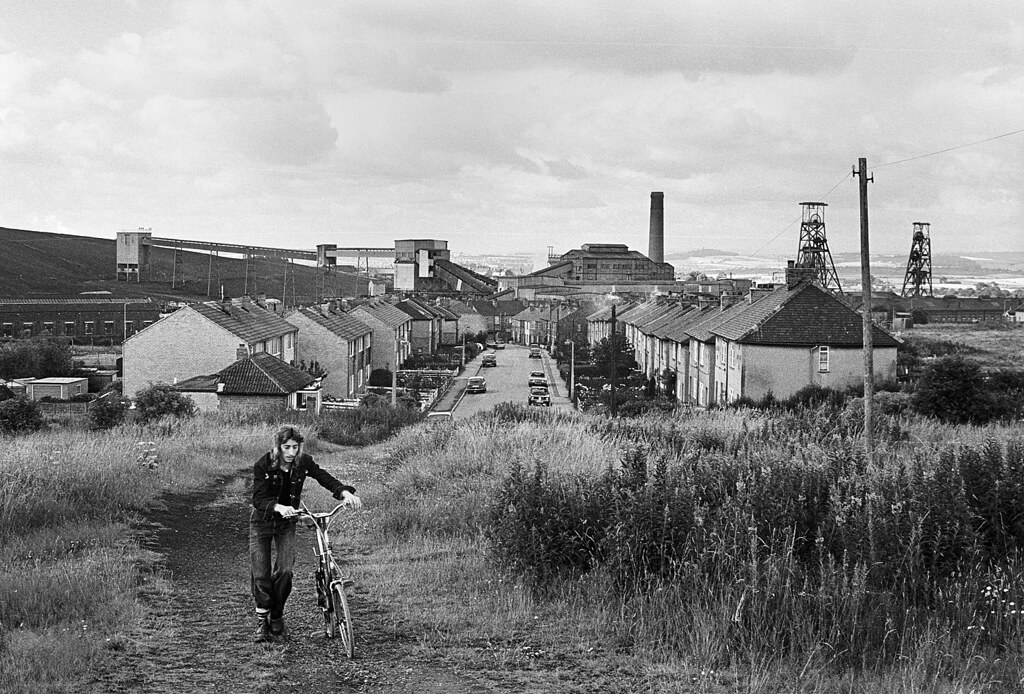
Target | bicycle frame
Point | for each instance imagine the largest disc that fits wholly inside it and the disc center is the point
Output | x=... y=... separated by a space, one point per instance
x=330 y=584
x=323 y=551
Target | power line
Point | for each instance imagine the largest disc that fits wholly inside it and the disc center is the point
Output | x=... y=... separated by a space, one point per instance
x=949 y=149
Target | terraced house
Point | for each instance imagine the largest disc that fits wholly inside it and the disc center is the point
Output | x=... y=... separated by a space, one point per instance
x=204 y=338
x=339 y=343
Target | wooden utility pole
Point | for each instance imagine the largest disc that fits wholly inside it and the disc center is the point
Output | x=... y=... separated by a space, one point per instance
x=611 y=349
x=861 y=172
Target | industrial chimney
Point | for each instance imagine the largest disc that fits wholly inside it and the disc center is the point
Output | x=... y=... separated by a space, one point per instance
x=656 y=242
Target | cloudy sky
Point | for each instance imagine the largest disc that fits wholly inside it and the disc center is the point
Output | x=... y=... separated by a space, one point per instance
x=514 y=126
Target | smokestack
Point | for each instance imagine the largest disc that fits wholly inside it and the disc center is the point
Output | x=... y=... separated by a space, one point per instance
x=656 y=242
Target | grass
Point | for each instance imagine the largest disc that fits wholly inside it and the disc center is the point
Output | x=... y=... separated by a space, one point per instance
x=995 y=346
x=748 y=626
x=70 y=565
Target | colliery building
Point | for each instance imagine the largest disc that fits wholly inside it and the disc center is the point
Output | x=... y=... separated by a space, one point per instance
x=85 y=320
x=609 y=262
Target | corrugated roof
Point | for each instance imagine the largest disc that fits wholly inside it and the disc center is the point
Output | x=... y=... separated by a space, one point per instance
x=262 y=374
x=343 y=325
x=249 y=323
x=803 y=315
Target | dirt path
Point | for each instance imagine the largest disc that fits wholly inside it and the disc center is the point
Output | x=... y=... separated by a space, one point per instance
x=197 y=633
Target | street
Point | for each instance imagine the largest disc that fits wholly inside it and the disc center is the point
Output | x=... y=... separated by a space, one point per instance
x=507 y=382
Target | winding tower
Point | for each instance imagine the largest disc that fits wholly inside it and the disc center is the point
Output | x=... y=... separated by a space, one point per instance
x=918 y=280
x=814 y=252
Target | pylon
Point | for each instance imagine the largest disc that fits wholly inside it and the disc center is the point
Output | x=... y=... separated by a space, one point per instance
x=814 y=251
x=919 y=264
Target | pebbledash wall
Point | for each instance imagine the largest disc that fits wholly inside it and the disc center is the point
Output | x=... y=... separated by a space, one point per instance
x=180 y=346
x=782 y=371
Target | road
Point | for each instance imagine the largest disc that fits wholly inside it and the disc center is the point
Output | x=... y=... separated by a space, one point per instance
x=507 y=382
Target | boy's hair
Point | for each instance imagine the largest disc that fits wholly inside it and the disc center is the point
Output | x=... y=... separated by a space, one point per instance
x=284 y=434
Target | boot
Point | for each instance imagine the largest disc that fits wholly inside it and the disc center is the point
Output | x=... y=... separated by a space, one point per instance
x=262 y=633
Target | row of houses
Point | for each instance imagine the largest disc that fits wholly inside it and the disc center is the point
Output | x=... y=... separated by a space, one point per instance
x=237 y=353
x=773 y=342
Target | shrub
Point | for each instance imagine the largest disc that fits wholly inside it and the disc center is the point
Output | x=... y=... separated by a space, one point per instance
x=952 y=389
x=369 y=423
x=20 y=416
x=108 y=412
x=161 y=400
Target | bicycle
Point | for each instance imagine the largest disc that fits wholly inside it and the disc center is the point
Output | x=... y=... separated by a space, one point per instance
x=330 y=584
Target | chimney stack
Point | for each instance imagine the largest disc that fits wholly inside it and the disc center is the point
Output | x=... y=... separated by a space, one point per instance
x=656 y=242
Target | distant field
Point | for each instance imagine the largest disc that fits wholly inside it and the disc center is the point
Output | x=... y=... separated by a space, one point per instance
x=995 y=347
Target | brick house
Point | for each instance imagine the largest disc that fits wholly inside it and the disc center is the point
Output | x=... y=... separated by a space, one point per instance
x=425 y=334
x=339 y=343
x=392 y=333
x=86 y=320
x=256 y=382
x=204 y=338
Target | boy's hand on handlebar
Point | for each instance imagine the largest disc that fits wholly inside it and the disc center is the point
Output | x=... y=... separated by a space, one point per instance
x=286 y=511
x=349 y=499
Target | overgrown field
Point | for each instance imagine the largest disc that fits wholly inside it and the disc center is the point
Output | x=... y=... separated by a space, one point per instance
x=734 y=550
x=70 y=565
x=730 y=547
x=994 y=346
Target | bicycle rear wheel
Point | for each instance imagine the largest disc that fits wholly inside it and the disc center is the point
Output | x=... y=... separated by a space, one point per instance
x=341 y=618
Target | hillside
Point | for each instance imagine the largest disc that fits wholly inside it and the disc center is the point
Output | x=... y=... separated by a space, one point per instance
x=39 y=263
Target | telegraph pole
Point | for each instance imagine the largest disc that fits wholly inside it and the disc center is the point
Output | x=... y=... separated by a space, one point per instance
x=611 y=348
x=865 y=280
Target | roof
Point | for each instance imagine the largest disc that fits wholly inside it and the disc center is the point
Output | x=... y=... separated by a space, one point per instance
x=75 y=300
x=802 y=315
x=341 y=324
x=414 y=309
x=247 y=322
x=58 y=380
x=679 y=330
x=386 y=313
x=659 y=326
x=6 y=393
x=605 y=314
x=262 y=374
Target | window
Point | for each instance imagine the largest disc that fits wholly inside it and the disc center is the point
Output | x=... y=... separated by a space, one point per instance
x=69 y=327
x=288 y=341
x=822 y=358
x=147 y=323
x=26 y=327
x=8 y=330
x=300 y=401
x=48 y=328
x=90 y=327
x=108 y=327
x=351 y=348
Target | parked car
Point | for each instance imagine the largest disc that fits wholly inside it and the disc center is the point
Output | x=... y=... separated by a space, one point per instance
x=539 y=397
x=537 y=374
x=534 y=352
x=499 y=345
x=477 y=384
x=538 y=382
x=488 y=360
x=436 y=418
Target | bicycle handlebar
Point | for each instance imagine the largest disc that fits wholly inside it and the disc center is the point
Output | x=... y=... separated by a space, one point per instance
x=320 y=516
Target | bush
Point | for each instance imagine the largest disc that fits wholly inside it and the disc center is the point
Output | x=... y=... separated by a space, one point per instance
x=108 y=412
x=952 y=389
x=160 y=400
x=369 y=423
x=20 y=416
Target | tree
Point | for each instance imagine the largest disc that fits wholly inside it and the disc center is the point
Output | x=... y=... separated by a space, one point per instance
x=616 y=346
x=161 y=399
x=953 y=390
x=40 y=357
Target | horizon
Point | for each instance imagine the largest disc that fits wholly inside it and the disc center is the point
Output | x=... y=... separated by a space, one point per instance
x=500 y=128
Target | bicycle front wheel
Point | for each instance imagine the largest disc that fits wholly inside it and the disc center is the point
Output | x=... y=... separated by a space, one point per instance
x=341 y=619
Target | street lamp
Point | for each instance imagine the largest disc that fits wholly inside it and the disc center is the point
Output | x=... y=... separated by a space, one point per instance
x=394 y=372
x=572 y=370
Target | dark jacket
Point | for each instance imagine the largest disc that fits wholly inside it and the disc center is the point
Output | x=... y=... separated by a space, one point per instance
x=269 y=478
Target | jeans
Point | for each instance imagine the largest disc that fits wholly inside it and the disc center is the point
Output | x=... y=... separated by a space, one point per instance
x=271 y=585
